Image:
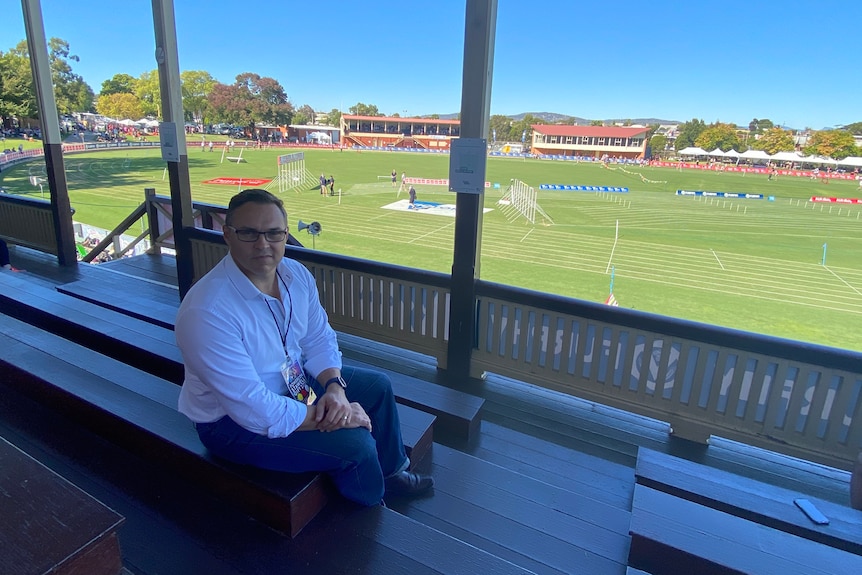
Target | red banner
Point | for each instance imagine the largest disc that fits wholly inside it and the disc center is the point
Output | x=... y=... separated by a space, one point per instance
x=238 y=181
x=836 y=200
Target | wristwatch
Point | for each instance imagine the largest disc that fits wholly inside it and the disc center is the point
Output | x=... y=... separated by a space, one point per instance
x=338 y=379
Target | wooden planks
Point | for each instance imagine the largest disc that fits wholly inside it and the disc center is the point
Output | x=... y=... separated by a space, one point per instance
x=749 y=499
x=676 y=536
x=48 y=525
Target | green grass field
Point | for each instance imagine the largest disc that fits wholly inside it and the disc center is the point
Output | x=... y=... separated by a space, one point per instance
x=753 y=265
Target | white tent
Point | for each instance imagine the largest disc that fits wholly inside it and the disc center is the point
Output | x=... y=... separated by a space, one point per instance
x=127 y=122
x=731 y=153
x=717 y=152
x=855 y=161
x=754 y=155
x=787 y=157
x=693 y=151
x=820 y=160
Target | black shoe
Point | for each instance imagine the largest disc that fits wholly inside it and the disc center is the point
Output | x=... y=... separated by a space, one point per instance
x=408 y=483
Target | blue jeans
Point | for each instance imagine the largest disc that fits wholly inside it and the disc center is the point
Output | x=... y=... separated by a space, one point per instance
x=356 y=459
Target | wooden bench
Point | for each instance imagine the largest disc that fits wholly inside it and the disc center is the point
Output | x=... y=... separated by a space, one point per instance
x=457 y=412
x=749 y=499
x=28 y=222
x=670 y=535
x=138 y=411
x=48 y=525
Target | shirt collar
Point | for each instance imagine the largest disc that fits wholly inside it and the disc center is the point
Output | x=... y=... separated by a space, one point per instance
x=241 y=282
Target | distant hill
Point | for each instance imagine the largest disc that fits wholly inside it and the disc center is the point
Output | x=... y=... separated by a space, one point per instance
x=553 y=118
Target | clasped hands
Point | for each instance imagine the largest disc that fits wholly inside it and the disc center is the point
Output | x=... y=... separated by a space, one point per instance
x=335 y=412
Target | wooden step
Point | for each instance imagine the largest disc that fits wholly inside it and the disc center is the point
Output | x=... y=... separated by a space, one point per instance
x=138 y=411
x=48 y=525
x=671 y=535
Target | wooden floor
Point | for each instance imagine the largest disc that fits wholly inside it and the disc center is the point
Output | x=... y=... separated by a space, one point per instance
x=546 y=484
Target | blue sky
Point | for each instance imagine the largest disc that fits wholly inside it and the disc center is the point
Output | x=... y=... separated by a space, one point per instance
x=793 y=62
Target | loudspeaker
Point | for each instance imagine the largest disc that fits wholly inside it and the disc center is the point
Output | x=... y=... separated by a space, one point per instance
x=313 y=228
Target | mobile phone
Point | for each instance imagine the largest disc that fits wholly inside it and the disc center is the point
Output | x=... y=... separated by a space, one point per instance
x=811 y=511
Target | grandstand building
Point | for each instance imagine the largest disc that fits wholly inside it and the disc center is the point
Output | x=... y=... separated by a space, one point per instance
x=590 y=141
x=381 y=131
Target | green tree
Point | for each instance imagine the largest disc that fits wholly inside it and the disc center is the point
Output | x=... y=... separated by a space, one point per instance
x=523 y=129
x=120 y=105
x=361 y=109
x=775 y=140
x=855 y=128
x=596 y=123
x=333 y=118
x=196 y=87
x=657 y=144
x=688 y=134
x=503 y=126
x=119 y=84
x=148 y=91
x=718 y=135
x=304 y=115
x=71 y=93
x=836 y=144
x=16 y=87
x=251 y=100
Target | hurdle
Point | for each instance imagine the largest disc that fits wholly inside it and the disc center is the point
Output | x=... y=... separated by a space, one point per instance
x=292 y=173
x=236 y=159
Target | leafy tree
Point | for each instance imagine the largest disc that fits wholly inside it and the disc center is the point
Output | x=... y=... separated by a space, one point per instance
x=688 y=133
x=596 y=123
x=119 y=84
x=836 y=144
x=304 y=115
x=148 y=91
x=523 y=128
x=503 y=126
x=120 y=105
x=333 y=118
x=361 y=109
x=718 y=135
x=775 y=140
x=196 y=87
x=16 y=87
x=658 y=143
x=71 y=93
x=251 y=100
x=854 y=128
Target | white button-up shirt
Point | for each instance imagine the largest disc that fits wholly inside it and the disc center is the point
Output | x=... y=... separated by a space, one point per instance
x=230 y=336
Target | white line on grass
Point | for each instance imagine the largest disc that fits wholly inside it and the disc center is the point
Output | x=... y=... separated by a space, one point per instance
x=527 y=234
x=716 y=258
x=842 y=280
x=431 y=233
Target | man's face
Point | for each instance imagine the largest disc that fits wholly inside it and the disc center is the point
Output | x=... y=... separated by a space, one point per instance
x=257 y=259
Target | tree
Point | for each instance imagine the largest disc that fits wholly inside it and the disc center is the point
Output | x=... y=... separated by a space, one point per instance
x=71 y=93
x=596 y=123
x=16 y=87
x=854 y=128
x=775 y=140
x=196 y=87
x=836 y=144
x=304 y=115
x=333 y=118
x=120 y=105
x=361 y=109
x=119 y=84
x=503 y=126
x=657 y=144
x=688 y=133
x=718 y=135
x=251 y=100
x=148 y=91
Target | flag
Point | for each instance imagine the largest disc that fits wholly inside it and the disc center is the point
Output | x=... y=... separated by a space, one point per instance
x=523 y=136
x=611 y=301
x=494 y=135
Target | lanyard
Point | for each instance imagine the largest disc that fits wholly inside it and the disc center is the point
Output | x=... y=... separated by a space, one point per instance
x=289 y=318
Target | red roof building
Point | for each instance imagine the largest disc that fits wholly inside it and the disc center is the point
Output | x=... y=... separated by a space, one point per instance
x=589 y=141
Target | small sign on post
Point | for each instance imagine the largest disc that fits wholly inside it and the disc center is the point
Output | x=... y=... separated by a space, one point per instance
x=168 y=138
x=467 y=160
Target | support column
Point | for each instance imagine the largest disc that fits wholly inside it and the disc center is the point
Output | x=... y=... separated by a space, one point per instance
x=479 y=34
x=52 y=143
x=167 y=59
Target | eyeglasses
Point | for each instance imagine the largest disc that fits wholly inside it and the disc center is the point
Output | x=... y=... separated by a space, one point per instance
x=247 y=235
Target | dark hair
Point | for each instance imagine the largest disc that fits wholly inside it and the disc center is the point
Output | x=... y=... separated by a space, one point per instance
x=252 y=195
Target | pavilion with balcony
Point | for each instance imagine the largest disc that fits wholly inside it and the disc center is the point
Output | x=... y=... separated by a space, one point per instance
x=564 y=436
